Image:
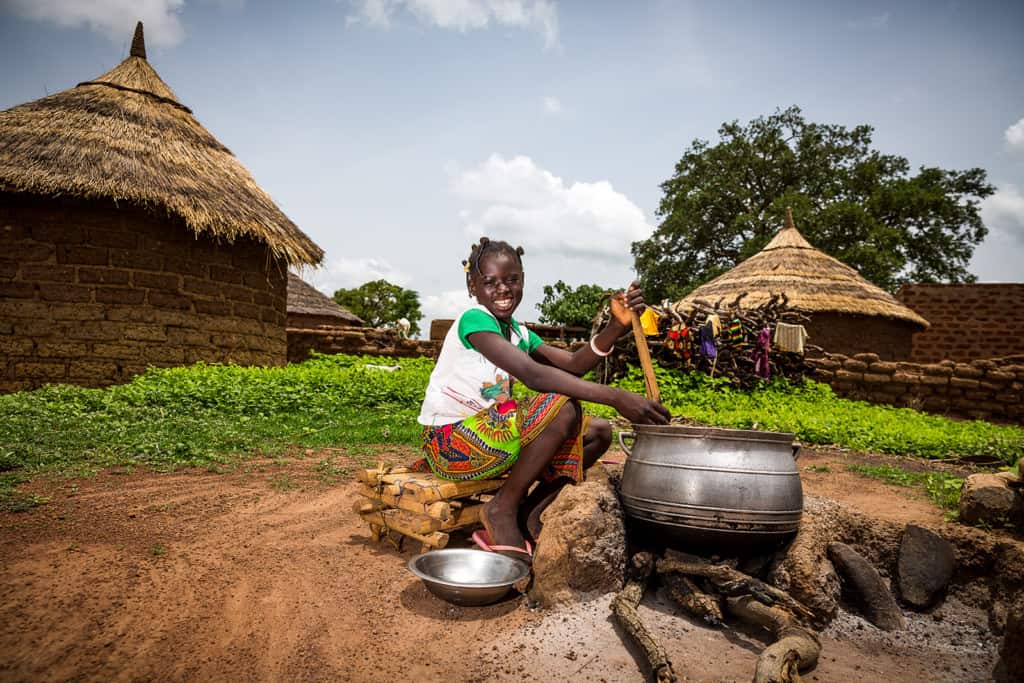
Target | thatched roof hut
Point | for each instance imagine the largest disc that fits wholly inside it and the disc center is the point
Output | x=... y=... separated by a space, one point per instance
x=848 y=313
x=124 y=136
x=308 y=307
x=130 y=237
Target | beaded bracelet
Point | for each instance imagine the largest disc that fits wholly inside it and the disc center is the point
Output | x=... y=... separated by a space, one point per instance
x=593 y=347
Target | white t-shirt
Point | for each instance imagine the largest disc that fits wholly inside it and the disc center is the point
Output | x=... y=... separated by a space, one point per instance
x=464 y=382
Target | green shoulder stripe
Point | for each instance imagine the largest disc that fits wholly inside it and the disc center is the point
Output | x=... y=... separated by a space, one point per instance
x=475 y=320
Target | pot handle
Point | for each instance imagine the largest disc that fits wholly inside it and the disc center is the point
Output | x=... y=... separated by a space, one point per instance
x=796 y=450
x=629 y=435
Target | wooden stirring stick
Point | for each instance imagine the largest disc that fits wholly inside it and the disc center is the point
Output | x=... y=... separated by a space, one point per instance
x=650 y=381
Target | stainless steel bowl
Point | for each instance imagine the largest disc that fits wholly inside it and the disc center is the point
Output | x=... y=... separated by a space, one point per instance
x=468 y=577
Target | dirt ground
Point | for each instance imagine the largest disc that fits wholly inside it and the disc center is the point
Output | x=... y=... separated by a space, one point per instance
x=264 y=574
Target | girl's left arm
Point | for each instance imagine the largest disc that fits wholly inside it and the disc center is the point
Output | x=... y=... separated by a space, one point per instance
x=585 y=359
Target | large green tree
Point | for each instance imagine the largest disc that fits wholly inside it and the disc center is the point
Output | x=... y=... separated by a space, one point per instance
x=382 y=304
x=725 y=202
x=572 y=306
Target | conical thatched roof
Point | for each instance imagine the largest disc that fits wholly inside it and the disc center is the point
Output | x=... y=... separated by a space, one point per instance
x=304 y=299
x=812 y=281
x=124 y=136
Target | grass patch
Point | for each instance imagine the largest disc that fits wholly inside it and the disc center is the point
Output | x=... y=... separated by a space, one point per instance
x=942 y=489
x=215 y=416
x=817 y=416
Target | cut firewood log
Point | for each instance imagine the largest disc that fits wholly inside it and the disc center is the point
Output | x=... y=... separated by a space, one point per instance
x=795 y=648
x=731 y=581
x=624 y=607
x=867 y=587
x=692 y=599
x=423 y=487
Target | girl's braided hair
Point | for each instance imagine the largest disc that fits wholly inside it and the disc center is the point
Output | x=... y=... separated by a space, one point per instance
x=490 y=246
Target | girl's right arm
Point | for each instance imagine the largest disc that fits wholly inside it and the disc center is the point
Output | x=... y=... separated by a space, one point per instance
x=545 y=378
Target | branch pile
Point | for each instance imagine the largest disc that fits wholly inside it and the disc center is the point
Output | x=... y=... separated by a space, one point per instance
x=735 y=360
x=708 y=590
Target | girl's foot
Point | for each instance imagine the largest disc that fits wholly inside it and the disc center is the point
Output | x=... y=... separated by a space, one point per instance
x=503 y=529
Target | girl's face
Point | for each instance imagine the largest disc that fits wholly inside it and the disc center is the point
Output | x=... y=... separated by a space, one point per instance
x=498 y=285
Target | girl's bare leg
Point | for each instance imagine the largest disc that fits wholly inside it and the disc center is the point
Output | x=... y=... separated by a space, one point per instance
x=595 y=444
x=499 y=515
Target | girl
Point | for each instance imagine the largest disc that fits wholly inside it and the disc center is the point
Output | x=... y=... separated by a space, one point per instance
x=473 y=429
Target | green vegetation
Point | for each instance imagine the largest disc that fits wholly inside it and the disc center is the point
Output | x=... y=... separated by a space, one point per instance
x=816 y=415
x=725 y=201
x=572 y=306
x=207 y=416
x=382 y=304
x=942 y=488
x=213 y=416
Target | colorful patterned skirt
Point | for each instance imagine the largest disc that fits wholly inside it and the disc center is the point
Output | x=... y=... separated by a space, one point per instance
x=486 y=445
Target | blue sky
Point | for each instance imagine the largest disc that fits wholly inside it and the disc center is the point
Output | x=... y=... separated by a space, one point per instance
x=395 y=132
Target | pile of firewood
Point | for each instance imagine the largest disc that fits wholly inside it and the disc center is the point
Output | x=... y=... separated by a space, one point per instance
x=734 y=360
x=710 y=591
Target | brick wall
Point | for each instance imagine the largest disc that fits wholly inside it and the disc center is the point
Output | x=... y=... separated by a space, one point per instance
x=91 y=294
x=356 y=341
x=987 y=389
x=973 y=321
x=850 y=334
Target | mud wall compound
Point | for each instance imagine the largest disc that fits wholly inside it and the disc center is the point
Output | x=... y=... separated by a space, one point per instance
x=972 y=321
x=981 y=389
x=92 y=293
x=356 y=341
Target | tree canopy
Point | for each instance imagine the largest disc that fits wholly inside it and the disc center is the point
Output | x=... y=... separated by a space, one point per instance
x=726 y=201
x=574 y=307
x=382 y=304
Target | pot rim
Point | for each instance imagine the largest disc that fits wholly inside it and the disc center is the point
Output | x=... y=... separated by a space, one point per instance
x=714 y=433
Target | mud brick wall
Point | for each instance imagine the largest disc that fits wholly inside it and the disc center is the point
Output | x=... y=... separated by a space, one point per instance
x=983 y=320
x=988 y=389
x=92 y=294
x=850 y=334
x=356 y=341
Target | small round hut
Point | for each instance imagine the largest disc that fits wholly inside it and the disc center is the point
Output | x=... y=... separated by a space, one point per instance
x=847 y=313
x=129 y=236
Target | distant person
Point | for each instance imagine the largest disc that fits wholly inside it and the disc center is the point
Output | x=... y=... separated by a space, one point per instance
x=474 y=429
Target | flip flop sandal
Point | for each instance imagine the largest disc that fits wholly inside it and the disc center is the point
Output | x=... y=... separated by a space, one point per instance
x=483 y=539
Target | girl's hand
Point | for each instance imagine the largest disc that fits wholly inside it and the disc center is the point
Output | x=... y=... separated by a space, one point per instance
x=639 y=410
x=623 y=302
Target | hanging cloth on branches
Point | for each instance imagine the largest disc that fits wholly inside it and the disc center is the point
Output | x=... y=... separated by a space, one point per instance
x=678 y=340
x=707 y=340
x=734 y=332
x=790 y=338
x=760 y=354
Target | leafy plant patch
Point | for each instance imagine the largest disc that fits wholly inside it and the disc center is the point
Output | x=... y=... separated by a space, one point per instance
x=816 y=415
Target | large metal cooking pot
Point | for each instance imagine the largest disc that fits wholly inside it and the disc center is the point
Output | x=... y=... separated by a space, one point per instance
x=708 y=484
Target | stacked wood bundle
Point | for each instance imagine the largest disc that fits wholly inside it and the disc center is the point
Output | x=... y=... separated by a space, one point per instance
x=405 y=504
x=735 y=357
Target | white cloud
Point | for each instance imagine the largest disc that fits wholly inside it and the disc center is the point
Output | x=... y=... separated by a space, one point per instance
x=114 y=19
x=551 y=105
x=464 y=15
x=346 y=273
x=448 y=304
x=1015 y=135
x=1003 y=212
x=518 y=201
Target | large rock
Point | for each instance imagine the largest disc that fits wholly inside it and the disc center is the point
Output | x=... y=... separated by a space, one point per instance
x=986 y=498
x=925 y=566
x=581 y=552
x=867 y=588
x=803 y=569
